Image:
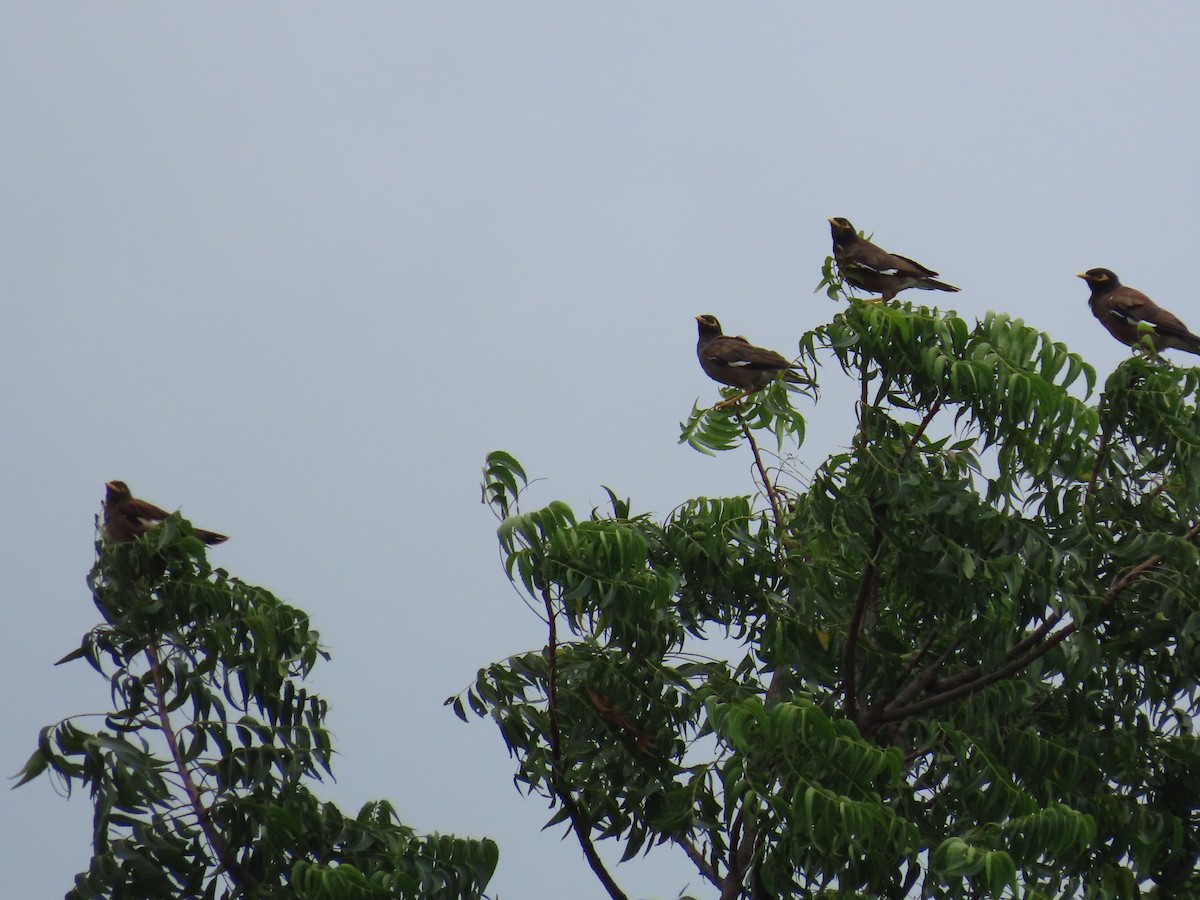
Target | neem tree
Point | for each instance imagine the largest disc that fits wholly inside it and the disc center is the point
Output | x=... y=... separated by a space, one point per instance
x=966 y=648
x=200 y=773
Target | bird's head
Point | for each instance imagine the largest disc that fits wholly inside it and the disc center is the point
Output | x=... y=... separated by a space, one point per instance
x=842 y=230
x=116 y=491
x=709 y=326
x=1101 y=281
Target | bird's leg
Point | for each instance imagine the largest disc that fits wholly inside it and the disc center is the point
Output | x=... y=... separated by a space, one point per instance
x=733 y=401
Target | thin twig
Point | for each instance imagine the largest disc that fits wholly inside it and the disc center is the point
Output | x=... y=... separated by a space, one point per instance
x=1101 y=451
x=772 y=497
x=867 y=590
x=921 y=654
x=579 y=824
x=236 y=870
x=703 y=865
x=912 y=442
x=863 y=402
x=1141 y=569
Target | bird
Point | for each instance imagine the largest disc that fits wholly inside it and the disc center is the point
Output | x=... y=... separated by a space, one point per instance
x=873 y=269
x=1129 y=314
x=127 y=518
x=736 y=362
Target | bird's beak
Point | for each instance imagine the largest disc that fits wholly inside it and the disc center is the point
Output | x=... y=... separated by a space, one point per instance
x=1082 y=275
x=698 y=318
x=109 y=484
x=830 y=221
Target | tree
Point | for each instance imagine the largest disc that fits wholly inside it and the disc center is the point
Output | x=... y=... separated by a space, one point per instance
x=200 y=776
x=966 y=648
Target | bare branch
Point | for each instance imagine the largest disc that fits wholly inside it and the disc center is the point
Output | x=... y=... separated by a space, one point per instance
x=772 y=496
x=705 y=868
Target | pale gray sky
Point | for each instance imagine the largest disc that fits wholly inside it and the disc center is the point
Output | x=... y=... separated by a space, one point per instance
x=297 y=267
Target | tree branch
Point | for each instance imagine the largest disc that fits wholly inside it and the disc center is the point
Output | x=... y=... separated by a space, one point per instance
x=893 y=714
x=579 y=823
x=925 y=677
x=245 y=880
x=867 y=589
x=1036 y=651
x=741 y=848
x=772 y=496
x=1135 y=574
x=912 y=442
x=1101 y=451
x=703 y=865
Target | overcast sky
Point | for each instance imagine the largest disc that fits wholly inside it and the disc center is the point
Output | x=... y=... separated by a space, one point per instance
x=295 y=268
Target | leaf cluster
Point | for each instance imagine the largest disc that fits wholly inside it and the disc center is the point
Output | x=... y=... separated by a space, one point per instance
x=200 y=773
x=958 y=661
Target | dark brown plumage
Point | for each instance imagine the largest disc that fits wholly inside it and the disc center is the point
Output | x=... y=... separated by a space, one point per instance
x=873 y=269
x=735 y=361
x=1129 y=314
x=127 y=518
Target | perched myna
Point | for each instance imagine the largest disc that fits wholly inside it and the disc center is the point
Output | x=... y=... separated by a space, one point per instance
x=736 y=362
x=874 y=269
x=126 y=517
x=1130 y=314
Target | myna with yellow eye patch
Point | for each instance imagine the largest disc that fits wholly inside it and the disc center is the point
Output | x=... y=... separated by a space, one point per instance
x=1129 y=314
x=736 y=362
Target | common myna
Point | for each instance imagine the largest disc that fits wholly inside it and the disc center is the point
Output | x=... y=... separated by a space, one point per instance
x=736 y=362
x=874 y=269
x=1130 y=314
x=126 y=517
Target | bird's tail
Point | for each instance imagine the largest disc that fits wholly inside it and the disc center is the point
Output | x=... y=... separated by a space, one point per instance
x=210 y=537
x=930 y=285
x=1189 y=342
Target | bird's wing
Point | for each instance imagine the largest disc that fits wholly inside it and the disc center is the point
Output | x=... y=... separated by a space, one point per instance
x=1132 y=306
x=866 y=255
x=1168 y=324
x=1135 y=307
x=912 y=267
x=146 y=512
x=1137 y=310
x=740 y=353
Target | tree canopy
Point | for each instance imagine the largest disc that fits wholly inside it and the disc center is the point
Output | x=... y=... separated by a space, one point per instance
x=201 y=773
x=957 y=660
